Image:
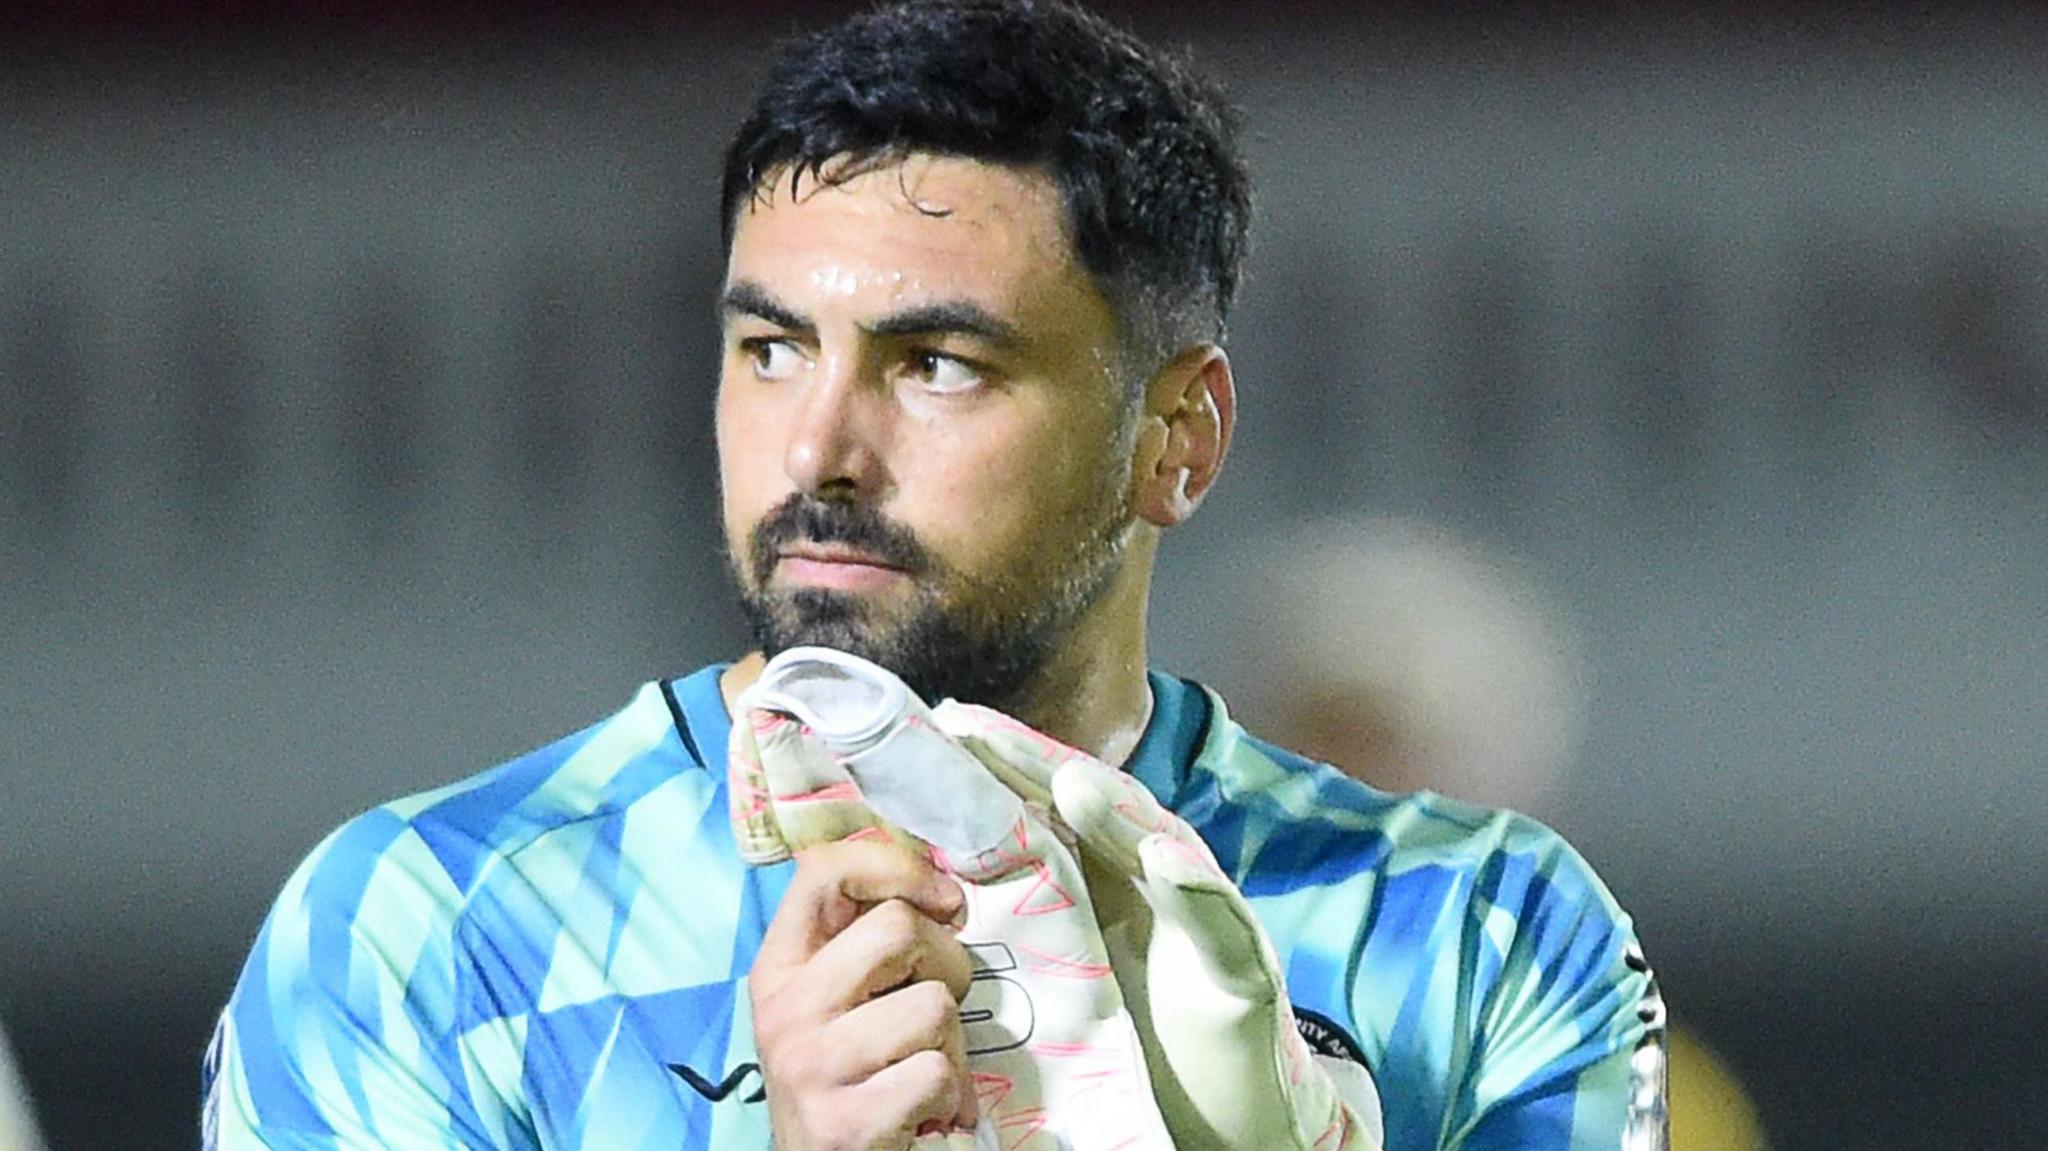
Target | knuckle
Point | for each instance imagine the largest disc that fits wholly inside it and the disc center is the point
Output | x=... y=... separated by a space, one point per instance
x=896 y=919
x=765 y=982
x=768 y=1031
x=947 y=946
x=930 y=1004
x=928 y=1072
x=816 y=864
x=772 y=1023
x=826 y=867
x=787 y=1066
x=954 y=969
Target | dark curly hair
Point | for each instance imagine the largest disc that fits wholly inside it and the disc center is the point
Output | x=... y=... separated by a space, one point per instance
x=1141 y=150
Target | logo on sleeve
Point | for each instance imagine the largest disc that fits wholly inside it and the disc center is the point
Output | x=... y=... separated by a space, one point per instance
x=717 y=1092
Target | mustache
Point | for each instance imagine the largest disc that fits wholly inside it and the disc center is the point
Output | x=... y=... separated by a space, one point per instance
x=805 y=518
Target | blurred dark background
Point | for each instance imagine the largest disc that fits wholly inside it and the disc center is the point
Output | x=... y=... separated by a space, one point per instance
x=354 y=370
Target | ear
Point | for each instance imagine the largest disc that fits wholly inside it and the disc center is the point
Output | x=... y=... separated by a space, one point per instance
x=1190 y=408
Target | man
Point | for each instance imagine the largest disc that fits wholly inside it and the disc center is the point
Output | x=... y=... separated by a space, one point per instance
x=979 y=260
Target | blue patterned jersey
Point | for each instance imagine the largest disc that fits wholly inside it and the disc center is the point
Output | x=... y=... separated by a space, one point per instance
x=554 y=954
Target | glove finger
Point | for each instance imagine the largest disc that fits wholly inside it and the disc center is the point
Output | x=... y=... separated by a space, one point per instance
x=1119 y=811
x=1189 y=894
x=1022 y=758
x=1100 y=810
x=814 y=799
x=920 y=780
x=749 y=803
x=1356 y=1091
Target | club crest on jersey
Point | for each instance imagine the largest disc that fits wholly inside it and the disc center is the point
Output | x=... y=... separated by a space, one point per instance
x=1325 y=1038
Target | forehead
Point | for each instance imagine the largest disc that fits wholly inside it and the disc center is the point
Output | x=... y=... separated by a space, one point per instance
x=916 y=226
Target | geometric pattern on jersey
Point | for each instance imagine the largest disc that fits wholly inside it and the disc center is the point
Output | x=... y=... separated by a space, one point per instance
x=553 y=954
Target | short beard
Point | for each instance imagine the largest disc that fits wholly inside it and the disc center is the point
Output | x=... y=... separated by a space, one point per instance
x=990 y=648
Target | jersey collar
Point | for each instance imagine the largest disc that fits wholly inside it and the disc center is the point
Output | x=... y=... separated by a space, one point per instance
x=1173 y=735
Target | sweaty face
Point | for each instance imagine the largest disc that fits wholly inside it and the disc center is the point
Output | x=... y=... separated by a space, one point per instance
x=921 y=433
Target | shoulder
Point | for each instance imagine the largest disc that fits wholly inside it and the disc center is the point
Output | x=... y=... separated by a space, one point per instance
x=1286 y=819
x=398 y=959
x=595 y=773
x=1421 y=883
x=605 y=771
x=1485 y=965
x=402 y=875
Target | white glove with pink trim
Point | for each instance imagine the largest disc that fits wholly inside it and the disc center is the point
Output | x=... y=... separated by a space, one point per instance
x=1229 y=1068
x=830 y=747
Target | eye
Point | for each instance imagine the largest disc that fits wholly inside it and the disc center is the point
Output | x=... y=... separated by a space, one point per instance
x=939 y=372
x=772 y=359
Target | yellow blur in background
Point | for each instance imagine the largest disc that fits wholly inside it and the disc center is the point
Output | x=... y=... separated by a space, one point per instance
x=1709 y=1109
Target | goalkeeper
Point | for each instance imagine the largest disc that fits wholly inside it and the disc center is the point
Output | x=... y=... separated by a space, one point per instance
x=979 y=257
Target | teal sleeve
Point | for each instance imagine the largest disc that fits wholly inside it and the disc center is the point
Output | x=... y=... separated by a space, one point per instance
x=345 y=1030
x=1561 y=1001
x=1491 y=981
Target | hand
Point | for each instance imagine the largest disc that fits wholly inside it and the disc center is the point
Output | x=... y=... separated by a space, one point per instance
x=856 y=993
x=831 y=749
x=1229 y=1068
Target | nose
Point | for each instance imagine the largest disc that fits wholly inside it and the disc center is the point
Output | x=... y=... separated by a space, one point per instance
x=834 y=439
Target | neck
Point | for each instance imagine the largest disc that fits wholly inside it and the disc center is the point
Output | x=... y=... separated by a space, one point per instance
x=1093 y=695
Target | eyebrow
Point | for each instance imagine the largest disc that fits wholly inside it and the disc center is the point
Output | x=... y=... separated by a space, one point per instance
x=948 y=317
x=750 y=299
x=952 y=317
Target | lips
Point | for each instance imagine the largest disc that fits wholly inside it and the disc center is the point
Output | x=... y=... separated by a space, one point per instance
x=836 y=567
x=835 y=554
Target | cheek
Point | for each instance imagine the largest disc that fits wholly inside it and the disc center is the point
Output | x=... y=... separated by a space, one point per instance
x=747 y=463
x=990 y=496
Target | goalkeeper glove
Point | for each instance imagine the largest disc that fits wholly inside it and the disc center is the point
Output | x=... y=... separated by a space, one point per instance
x=828 y=747
x=1229 y=1067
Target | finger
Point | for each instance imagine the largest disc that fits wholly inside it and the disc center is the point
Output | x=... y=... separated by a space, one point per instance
x=889 y=1029
x=924 y=1016
x=836 y=882
x=1104 y=813
x=813 y=799
x=887 y=947
x=895 y=1102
